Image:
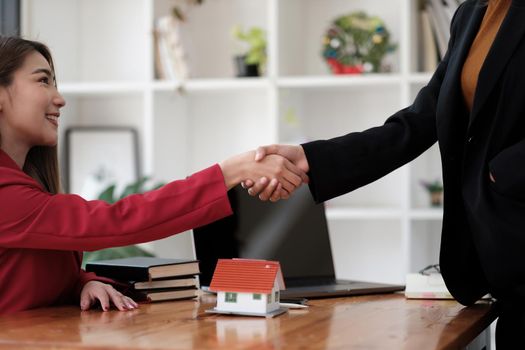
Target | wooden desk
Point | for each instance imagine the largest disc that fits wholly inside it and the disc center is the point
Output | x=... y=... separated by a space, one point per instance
x=368 y=322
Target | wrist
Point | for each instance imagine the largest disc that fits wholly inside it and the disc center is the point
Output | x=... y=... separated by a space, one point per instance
x=232 y=171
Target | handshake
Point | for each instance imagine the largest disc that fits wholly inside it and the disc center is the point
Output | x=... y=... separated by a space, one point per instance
x=271 y=172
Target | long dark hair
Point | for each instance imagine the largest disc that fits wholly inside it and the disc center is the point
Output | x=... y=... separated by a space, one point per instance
x=41 y=161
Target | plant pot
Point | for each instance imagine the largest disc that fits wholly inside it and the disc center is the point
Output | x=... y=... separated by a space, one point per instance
x=245 y=70
x=436 y=199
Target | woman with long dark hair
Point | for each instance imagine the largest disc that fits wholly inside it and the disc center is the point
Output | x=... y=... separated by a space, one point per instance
x=43 y=231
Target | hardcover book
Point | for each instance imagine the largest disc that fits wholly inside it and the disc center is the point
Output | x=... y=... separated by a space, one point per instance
x=142 y=269
x=165 y=294
x=166 y=283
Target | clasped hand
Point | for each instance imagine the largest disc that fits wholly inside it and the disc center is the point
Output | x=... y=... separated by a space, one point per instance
x=293 y=158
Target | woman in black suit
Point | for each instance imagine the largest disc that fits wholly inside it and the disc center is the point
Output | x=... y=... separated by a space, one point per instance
x=473 y=106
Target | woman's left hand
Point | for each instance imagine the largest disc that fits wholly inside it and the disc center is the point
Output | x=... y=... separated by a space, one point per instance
x=105 y=294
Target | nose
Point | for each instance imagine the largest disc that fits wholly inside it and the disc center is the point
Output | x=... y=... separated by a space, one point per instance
x=59 y=100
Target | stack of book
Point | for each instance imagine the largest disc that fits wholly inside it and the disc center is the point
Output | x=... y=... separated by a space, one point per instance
x=152 y=279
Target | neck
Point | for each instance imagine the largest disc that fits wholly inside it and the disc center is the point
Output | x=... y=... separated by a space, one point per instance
x=18 y=154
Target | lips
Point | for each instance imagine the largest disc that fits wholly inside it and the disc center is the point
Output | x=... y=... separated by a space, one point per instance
x=52 y=118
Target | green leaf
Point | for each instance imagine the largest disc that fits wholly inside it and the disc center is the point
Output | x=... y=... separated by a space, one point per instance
x=108 y=194
x=135 y=187
x=255 y=38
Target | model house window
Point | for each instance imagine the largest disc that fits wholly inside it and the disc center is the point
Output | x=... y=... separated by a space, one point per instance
x=230 y=298
x=269 y=296
x=257 y=297
x=276 y=296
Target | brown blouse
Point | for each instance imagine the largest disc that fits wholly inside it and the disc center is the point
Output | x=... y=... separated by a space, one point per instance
x=496 y=11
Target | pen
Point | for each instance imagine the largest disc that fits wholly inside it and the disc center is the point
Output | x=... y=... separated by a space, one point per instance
x=302 y=301
x=293 y=305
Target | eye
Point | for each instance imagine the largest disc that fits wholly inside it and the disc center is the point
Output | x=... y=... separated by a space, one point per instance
x=44 y=80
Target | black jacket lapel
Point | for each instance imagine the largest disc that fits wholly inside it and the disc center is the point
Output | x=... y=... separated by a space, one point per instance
x=452 y=105
x=506 y=41
x=464 y=42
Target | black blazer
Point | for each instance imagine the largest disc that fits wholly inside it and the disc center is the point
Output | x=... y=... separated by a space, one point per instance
x=483 y=235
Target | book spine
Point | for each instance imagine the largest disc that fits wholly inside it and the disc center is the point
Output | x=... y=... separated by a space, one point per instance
x=439 y=31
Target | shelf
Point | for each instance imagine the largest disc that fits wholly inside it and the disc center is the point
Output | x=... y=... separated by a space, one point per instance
x=100 y=88
x=426 y=214
x=104 y=54
x=90 y=88
x=419 y=78
x=212 y=84
x=339 y=81
x=384 y=213
x=363 y=213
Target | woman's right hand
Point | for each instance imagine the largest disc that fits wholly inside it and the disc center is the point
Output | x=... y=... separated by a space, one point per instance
x=278 y=172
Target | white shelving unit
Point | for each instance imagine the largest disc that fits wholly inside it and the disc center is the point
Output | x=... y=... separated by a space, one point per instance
x=104 y=58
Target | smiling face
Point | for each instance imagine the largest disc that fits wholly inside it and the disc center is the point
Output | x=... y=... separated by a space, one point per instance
x=30 y=106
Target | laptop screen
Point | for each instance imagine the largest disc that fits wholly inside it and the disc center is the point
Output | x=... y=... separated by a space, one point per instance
x=293 y=232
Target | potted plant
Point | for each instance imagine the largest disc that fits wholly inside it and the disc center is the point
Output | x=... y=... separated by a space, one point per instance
x=435 y=189
x=111 y=197
x=253 y=61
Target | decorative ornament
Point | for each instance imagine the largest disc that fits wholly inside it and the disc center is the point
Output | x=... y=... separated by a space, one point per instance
x=356 y=43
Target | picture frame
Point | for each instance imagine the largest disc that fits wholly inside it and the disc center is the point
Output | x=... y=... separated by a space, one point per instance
x=97 y=157
x=10 y=17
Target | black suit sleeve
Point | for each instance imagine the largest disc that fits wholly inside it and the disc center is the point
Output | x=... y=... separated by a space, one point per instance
x=342 y=164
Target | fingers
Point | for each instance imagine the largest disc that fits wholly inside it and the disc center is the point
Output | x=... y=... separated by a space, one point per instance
x=121 y=301
x=286 y=172
x=247 y=184
x=284 y=194
x=132 y=302
x=279 y=193
x=263 y=151
x=258 y=187
x=85 y=302
x=106 y=295
x=289 y=185
x=289 y=176
x=103 y=298
x=118 y=300
x=297 y=171
x=268 y=190
x=271 y=192
x=295 y=174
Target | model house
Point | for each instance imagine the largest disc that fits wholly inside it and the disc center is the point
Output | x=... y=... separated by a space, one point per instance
x=247 y=286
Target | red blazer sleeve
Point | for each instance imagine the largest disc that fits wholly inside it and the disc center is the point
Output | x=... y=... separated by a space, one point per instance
x=33 y=218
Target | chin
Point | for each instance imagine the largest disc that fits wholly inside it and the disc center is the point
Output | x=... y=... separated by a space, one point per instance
x=49 y=142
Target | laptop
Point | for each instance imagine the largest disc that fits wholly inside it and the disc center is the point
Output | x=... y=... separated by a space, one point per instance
x=293 y=232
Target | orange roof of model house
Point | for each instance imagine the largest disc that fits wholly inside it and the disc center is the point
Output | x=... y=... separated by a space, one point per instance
x=246 y=276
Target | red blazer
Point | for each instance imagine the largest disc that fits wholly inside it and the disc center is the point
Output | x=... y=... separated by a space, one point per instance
x=42 y=235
